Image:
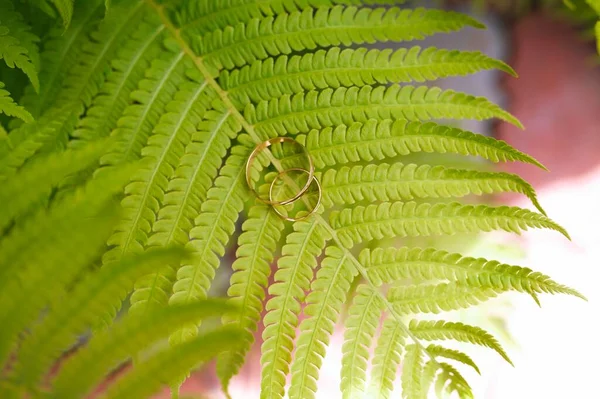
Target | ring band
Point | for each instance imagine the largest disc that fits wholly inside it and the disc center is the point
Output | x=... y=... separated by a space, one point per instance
x=309 y=184
x=262 y=146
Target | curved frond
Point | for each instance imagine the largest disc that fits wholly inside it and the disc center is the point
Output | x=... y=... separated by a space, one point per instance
x=149 y=376
x=66 y=242
x=409 y=219
x=385 y=182
x=322 y=27
x=379 y=139
x=443 y=297
x=18 y=46
x=292 y=280
x=412 y=373
x=329 y=108
x=386 y=361
x=251 y=271
x=324 y=303
x=453 y=354
x=88 y=366
x=65 y=9
x=212 y=230
x=360 y=327
x=336 y=67
x=450 y=380
x=444 y=330
x=89 y=299
x=394 y=264
x=28 y=186
x=9 y=107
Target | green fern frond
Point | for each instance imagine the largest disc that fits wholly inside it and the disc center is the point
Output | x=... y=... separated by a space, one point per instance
x=329 y=108
x=65 y=9
x=154 y=93
x=360 y=326
x=150 y=375
x=324 y=303
x=336 y=67
x=323 y=27
x=394 y=264
x=163 y=152
x=453 y=354
x=443 y=330
x=292 y=279
x=412 y=373
x=397 y=182
x=28 y=186
x=402 y=219
x=35 y=138
x=105 y=350
x=212 y=230
x=444 y=297
x=379 y=139
x=450 y=380
x=68 y=238
x=9 y=107
x=251 y=271
x=18 y=46
x=386 y=361
x=128 y=67
x=90 y=299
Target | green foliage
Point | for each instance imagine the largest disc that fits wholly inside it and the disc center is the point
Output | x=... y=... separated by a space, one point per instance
x=135 y=143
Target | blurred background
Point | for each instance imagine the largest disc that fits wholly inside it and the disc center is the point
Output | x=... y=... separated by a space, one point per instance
x=557 y=97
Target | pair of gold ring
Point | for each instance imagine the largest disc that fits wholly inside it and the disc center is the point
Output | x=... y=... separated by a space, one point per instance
x=301 y=191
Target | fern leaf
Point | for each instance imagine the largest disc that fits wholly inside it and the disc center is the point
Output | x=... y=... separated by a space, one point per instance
x=65 y=9
x=387 y=359
x=35 y=138
x=393 y=264
x=148 y=377
x=412 y=373
x=455 y=382
x=399 y=219
x=19 y=193
x=85 y=78
x=396 y=182
x=212 y=230
x=62 y=49
x=329 y=108
x=328 y=293
x=90 y=298
x=88 y=366
x=293 y=277
x=440 y=351
x=186 y=190
x=360 y=326
x=251 y=271
x=165 y=148
x=66 y=240
x=336 y=67
x=377 y=140
x=429 y=371
x=443 y=330
x=438 y=298
x=128 y=67
x=165 y=75
x=9 y=107
x=18 y=46
x=323 y=27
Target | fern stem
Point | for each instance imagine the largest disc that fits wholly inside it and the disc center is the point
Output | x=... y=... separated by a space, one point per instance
x=199 y=62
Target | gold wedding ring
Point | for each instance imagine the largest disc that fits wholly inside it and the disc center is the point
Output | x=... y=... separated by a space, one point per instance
x=289 y=201
x=266 y=144
x=313 y=210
